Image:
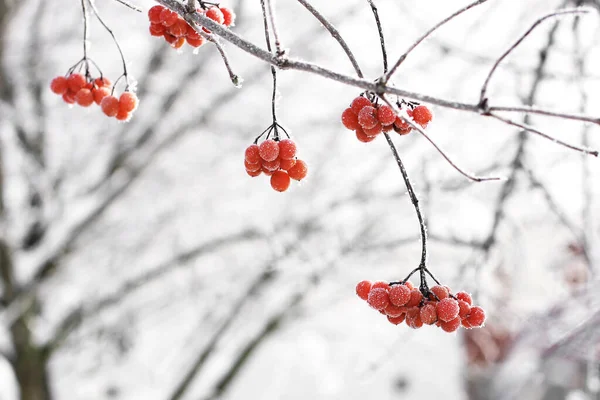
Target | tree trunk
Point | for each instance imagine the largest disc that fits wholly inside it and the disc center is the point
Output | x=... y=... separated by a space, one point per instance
x=30 y=363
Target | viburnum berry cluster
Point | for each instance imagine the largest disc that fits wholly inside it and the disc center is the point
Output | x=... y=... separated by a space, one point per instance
x=368 y=118
x=176 y=31
x=275 y=158
x=402 y=302
x=84 y=90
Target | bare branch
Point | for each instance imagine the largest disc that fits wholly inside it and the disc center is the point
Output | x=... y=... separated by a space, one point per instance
x=278 y=50
x=548 y=113
x=545 y=136
x=518 y=42
x=426 y=35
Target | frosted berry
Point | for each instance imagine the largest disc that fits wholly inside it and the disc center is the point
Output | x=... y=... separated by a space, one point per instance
x=287 y=164
x=477 y=317
x=168 y=17
x=380 y=285
x=464 y=296
x=154 y=14
x=110 y=106
x=128 y=101
x=123 y=115
x=415 y=298
x=178 y=43
x=195 y=42
x=374 y=131
x=421 y=115
x=350 y=119
x=447 y=309
x=84 y=97
x=428 y=314
x=280 y=181
x=102 y=82
x=397 y=320
x=367 y=117
x=216 y=15
x=378 y=298
x=450 y=326
x=358 y=104
x=271 y=165
x=298 y=171
x=252 y=167
x=179 y=28
x=252 y=154
x=386 y=115
x=463 y=308
x=254 y=174
x=440 y=291
x=59 y=85
x=394 y=311
x=75 y=82
x=69 y=97
x=287 y=149
x=363 y=137
x=399 y=295
x=362 y=289
x=228 y=16
x=268 y=150
x=169 y=38
x=99 y=94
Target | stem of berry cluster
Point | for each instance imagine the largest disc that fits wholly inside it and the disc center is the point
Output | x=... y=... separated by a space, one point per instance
x=273 y=70
x=85 y=28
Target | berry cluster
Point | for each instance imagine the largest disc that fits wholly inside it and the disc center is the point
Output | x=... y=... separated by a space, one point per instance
x=85 y=91
x=176 y=31
x=368 y=119
x=277 y=159
x=403 y=302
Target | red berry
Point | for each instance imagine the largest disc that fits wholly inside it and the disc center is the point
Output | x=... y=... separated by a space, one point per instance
x=266 y=171
x=477 y=317
x=254 y=174
x=376 y=130
x=367 y=117
x=358 y=104
x=110 y=106
x=298 y=171
x=268 y=150
x=100 y=93
x=397 y=320
x=464 y=296
x=216 y=15
x=463 y=308
x=401 y=124
x=195 y=42
x=252 y=167
x=440 y=291
x=123 y=115
x=450 y=326
x=415 y=298
x=154 y=14
x=280 y=181
x=387 y=128
x=402 y=132
x=59 y=85
x=394 y=311
x=447 y=309
x=128 y=101
x=421 y=115
x=69 y=97
x=271 y=165
x=157 y=29
x=378 y=298
x=178 y=43
x=381 y=285
x=179 y=28
x=287 y=149
x=228 y=16
x=399 y=295
x=191 y=33
x=362 y=289
x=84 y=97
x=168 y=17
x=350 y=119
x=409 y=285
x=169 y=38
x=102 y=82
x=287 y=164
x=362 y=136
x=413 y=318
x=428 y=314
x=386 y=115
x=76 y=82
x=252 y=154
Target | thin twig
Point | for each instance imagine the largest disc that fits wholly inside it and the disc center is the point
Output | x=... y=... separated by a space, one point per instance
x=527 y=128
x=427 y=34
x=482 y=96
x=273 y=19
x=547 y=113
x=413 y=199
x=334 y=33
x=422 y=132
x=129 y=5
x=273 y=70
x=381 y=38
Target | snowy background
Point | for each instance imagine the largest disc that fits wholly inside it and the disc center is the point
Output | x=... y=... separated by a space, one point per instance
x=159 y=270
